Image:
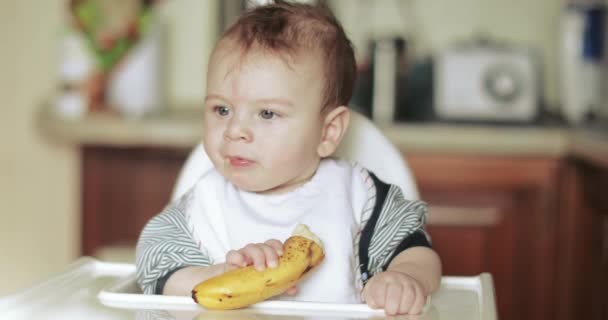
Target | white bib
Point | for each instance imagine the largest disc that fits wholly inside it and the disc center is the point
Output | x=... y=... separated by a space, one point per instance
x=225 y=218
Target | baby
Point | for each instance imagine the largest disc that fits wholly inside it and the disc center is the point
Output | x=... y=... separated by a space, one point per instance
x=279 y=81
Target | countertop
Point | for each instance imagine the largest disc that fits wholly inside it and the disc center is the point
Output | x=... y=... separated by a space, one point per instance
x=182 y=129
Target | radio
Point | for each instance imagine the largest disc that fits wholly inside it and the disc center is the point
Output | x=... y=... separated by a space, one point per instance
x=486 y=83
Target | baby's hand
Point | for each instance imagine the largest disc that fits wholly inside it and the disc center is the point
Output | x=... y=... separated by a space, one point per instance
x=395 y=292
x=260 y=255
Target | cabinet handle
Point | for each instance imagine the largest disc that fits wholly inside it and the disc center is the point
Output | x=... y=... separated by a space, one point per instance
x=462 y=216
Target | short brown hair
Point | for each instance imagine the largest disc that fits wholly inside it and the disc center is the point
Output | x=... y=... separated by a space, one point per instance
x=287 y=28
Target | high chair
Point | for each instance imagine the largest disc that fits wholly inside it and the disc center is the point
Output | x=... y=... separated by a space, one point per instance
x=363 y=143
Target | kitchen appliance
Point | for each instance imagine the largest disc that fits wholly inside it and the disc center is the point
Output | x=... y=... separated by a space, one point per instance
x=485 y=82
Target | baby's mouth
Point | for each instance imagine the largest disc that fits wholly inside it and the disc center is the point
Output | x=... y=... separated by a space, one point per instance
x=239 y=162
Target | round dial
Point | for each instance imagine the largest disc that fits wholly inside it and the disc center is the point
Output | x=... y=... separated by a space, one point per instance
x=502 y=82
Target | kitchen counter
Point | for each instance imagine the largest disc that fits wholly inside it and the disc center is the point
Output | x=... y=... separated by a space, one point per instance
x=177 y=129
x=182 y=129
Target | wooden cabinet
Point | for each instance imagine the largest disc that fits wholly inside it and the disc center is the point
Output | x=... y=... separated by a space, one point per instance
x=582 y=267
x=497 y=215
x=538 y=225
x=122 y=188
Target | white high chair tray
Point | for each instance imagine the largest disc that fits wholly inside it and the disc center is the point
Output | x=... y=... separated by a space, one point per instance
x=95 y=290
x=458 y=298
x=126 y=294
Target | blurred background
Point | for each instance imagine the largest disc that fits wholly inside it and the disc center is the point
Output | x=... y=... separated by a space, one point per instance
x=499 y=107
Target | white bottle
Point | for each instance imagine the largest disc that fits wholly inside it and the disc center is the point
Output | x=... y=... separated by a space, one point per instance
x=136 y=87
x=75 y=66
x=581 y=75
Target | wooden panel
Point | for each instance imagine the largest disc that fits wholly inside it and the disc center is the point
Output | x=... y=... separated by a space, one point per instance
x=482 y=242
x=122 y=190
x=463 y=216
x=464 y=258
x=591 y=238
x=582 y=233
x=509 y=229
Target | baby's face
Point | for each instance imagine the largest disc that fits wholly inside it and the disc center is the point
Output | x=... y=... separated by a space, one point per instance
x=263 y=120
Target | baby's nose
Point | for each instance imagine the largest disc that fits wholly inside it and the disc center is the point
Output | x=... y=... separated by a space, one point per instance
x=238 y=129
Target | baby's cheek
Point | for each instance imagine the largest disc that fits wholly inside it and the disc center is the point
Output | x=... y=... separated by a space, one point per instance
x=274 y=157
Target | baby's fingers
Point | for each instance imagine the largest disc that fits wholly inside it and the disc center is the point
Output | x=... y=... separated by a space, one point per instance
x=418 y=305
x=276 y=245
x=272 y=258
x=392 y=300
x=374 y=294
x=257 y=254
x=408 y=299
x=235 y=259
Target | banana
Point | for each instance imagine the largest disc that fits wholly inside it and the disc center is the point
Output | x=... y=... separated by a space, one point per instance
x=241 y=287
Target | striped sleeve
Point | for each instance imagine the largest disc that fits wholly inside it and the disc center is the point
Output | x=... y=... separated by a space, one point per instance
x=389 y=225
x=165 y=245
x=399 y=219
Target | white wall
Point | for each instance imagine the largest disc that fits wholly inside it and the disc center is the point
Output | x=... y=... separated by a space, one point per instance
x=38 y=178
x=191 y=29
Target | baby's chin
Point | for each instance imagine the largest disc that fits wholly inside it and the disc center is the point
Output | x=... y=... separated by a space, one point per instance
x=246 y=183
x=252 y=181
x=257 y=187
x=251 y=187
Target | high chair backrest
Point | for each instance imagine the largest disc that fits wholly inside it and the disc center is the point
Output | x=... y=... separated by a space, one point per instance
x=363 y=143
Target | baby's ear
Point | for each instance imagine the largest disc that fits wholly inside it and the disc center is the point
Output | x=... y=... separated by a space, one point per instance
x=334 y=127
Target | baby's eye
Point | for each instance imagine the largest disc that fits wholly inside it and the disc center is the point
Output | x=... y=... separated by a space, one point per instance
x=221 y=110
x=267 y=114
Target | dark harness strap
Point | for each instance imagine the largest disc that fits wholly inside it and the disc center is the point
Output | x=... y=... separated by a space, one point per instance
x=366 y=235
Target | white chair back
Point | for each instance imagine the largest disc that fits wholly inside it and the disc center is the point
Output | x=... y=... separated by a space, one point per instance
x=363 y=143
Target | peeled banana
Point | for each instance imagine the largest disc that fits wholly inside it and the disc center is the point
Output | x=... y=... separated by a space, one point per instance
x=245 y=286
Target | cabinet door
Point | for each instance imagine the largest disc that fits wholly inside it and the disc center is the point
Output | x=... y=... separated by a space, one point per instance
x=582 y=263
x=496 y=215
x=122 y=189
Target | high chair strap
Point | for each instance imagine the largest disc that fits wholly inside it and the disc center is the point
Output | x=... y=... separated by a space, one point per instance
x=366 y=235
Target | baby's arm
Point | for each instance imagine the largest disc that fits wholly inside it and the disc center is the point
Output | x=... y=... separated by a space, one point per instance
x=183 y=280
x=169 y=260
x=260 y=255
x=409 y=279
x=165 y=247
